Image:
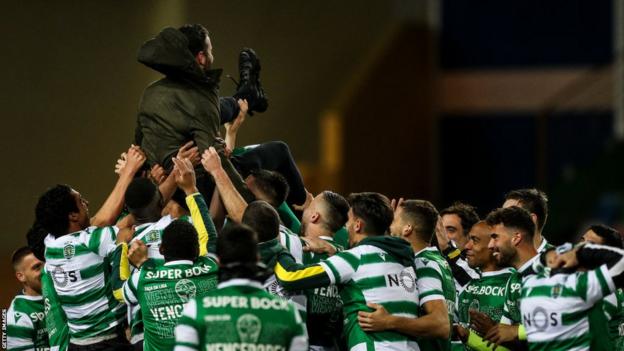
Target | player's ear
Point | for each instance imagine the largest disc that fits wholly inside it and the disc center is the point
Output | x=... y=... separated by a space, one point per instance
x=516 y=239
x=407 y=230
x=534 y=218
x=73 y=216
x=315 y=217
x=357 y=225
x=20 y=277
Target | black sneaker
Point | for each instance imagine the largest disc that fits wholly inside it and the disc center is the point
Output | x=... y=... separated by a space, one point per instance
x=249 y=86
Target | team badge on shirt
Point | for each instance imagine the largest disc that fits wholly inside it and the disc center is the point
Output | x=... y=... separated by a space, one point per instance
x=556 y=291
x=185 y=289
x=69 y=250
x=248 y=327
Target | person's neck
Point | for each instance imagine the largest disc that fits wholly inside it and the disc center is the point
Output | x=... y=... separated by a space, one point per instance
x=537 y=239
x=489 y=267
x=28 y=291
x=357 y=237
x=525 y=253
x=173 y=259
x=146 y=218
x=418 y=245
x=72 y=228
x=315 y=231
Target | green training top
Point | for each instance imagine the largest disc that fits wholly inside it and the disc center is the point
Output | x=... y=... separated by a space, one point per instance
x=240 y=315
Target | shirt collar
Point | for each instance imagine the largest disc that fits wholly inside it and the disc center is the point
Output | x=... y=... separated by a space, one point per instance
x=240 y=282
x=176 y=262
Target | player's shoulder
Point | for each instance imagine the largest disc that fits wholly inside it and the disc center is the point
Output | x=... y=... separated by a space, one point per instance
x=430 y=257
x=21 y=308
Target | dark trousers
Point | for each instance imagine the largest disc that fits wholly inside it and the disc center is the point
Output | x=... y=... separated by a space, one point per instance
x=273 y=156
x=228 y=109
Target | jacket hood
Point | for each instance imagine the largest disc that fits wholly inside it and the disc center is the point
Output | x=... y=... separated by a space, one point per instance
x=269 y=250
x=397 y=247
x=168 y=54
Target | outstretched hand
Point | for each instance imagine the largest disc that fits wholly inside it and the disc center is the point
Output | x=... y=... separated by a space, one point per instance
x=501 y=333
x=233 y=127
x=394 y=203
x=134 y=160
x=184 y=175
x=318 y=246
x=308 y=201
x=378 y=320
x=137 y=254
x=158 y=174
x=566 y=259
x=211 y=160
x=189 y=151
x=480 y=322
x=441 y=235
x=121 y=163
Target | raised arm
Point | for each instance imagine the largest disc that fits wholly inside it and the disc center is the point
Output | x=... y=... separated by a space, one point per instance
x=206 y=232
x=231 y=129
x=234 y=203
x=111 y=208
x=434 y=324
x=294 y=276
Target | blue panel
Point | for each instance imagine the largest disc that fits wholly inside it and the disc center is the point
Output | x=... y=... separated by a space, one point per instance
x=494 y=33
x=483 y=157
x=575 y=140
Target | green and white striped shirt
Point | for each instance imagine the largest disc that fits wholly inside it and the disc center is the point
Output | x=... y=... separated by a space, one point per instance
x=79 y=264
x=56 y=323
x=555 y=308
x=435 y=282
x=151 y=234
x=26 y=328
x=613 y=306
x=364 y=274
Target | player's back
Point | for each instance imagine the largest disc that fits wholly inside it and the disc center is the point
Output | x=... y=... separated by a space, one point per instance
x=79 y=266
x=240 y=315
x=369 y=274
x=554 y=308
x=162 y=290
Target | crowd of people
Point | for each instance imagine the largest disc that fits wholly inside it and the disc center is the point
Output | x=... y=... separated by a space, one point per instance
x=202 y=245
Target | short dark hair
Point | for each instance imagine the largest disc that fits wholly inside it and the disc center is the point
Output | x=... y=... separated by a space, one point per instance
x=196 y=35
x=140 y=193
x=237 y=243
x=19 y=254
x=337 y=210
x=179 y=241
x=35 y=238
x=466 y=213
x=374 y=209
x=610 y=236
x=53 y=209
x=272 y=184
x=533 y=200
x=513 y=217
x=179 y=197
x=263 y=219
x=423 y=216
